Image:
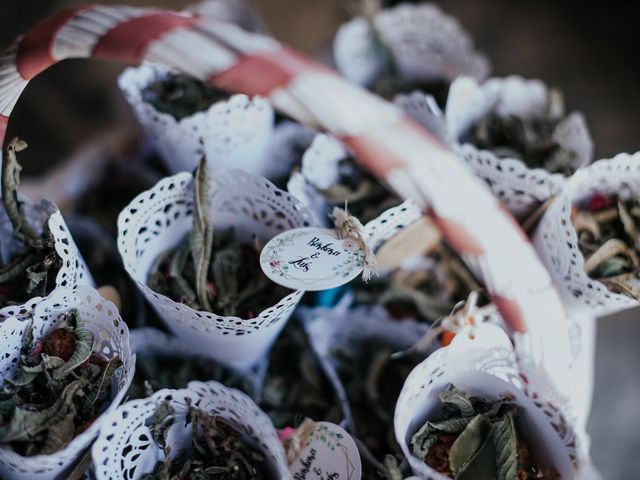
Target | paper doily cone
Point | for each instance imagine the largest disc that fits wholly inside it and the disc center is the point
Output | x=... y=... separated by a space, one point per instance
x=125 y=449
x=111 y=338
x=556 y=239
x=158 y=219
x=520 y=188
x=233 y=133
x=488 y=368
x=426 y=45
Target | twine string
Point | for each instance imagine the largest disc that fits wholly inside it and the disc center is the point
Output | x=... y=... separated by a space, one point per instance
x=348 y=226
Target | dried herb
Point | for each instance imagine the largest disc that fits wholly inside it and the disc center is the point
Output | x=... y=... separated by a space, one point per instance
x=59 y=389
x=155 y=372
x=608 y=230
x=427 y=291
x=295 y=386
x=216 y=273
x=33 y=269
x=530 y=139
x=364 y=195
x=373 y=381
x=474 y=438
x=181 y=95
x=217 y=451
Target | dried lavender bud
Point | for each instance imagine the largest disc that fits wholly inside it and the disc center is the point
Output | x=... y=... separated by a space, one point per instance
x=474 y=438
x=181 y=95
x=295 y=386
x=32 y=271
x=218 y=451
x=51 y=399
x=608 y=231
x=528 y=139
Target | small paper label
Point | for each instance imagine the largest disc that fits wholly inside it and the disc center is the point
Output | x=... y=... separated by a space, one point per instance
x=311 y=259
x=329 y=454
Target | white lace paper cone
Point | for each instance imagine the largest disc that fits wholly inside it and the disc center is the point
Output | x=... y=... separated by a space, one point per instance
x=235 y=133
x=73 y=272
x=425 y=44
x=488 y=368
x=519 y=187
x=111 y=338
x=159 y=219
x=125 y=449
x=556 y=240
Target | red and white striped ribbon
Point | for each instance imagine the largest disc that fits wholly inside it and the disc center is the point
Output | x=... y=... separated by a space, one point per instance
x=381 y=137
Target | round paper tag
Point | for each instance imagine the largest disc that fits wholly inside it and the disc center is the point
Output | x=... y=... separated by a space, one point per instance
x=311 y=259
x=330 y=454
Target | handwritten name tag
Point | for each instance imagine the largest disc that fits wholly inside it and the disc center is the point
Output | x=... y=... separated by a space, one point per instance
x=311 y=259
x=330 y=454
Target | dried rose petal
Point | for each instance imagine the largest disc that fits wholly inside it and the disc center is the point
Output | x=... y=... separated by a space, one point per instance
x=59 y=343
x=599 y=201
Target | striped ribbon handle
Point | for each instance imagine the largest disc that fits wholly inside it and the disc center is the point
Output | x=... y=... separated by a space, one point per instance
x=381 y=137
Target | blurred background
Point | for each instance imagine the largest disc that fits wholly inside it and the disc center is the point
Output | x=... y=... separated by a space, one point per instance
x=587 y=49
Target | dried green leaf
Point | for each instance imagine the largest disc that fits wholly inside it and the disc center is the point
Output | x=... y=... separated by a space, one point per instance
x=107 y=374
x=35 y=277
x=201 y=238
x=425 y=437
x=458 y=399
x=468 y=443
x=59 y=434
x=481 y=465
x=17 y=268
x=160 y=422
x=50 y=362
x=503 y=435
x=24 y=425
x=226 y=267
x=178 y=263
x=24 y=376
x=10 y=183
x=84 y=349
